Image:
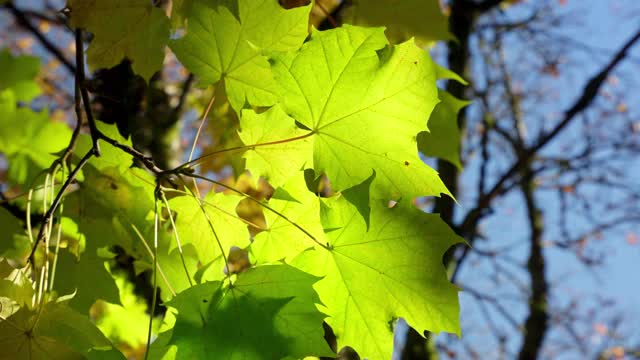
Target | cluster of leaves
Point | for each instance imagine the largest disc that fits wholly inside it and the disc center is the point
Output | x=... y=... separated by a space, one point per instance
x=342 y=104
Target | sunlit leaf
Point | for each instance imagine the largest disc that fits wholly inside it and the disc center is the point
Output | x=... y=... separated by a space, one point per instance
x=133 y=29
x=29 y=140
x=18 y=74
x=441 y=141
x=362 y=107
x=226 y=40
x=371 y=278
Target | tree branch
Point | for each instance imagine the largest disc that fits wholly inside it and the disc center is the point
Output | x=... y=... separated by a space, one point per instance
x=588 y=95
x=22 y=20
x=536 y=325
x=80 y=80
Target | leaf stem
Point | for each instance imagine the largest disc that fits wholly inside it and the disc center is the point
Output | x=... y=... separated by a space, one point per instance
x=146 y=246
x=56 y=203
x=199 y=160
x=177 y=236
x=213 y=230
x=202 y=121
x=155 y=272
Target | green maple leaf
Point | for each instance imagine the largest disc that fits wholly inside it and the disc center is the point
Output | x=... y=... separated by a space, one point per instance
x=282 y=239
x=16 y=291
x=133 y=29
x=13 y=241
x=443 y=139
x=127 y=324
x=22 y=294
x=17 y=75
x=174 y=278
x=404 y=19
x=54 y=332
x=274 y=163
x=87 y=278
x=29 y=140
x=363 y=106
x=268 y=313
x=371 y=278
x=226 y=39
x=194 y=227
x=110 y=205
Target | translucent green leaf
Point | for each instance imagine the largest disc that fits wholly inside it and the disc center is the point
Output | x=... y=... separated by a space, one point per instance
x=194 y=228
x=133 y=29
x=371 y=278
x=226 y=39
x=108 y=208
x=87 y=278
x=268 y=313
x=363 y=103
x=173 y=278
x=443 y=139
x=125 y=324
x=404 y=19
x=282 y=239
x=18 y=73
x=274 y=163
x=29 y=140
x=54 y=332
x=16 y=291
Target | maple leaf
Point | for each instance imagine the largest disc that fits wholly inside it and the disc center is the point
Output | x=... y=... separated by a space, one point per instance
x=198 y=229
x=404 y=19
x=443 y=139
x=370 y=278
x=54 y=332
x=226 y=40
x=363 y=105
x=133 y=29
x=268 y=313
x=17 y=75
x=28 y=147
x=285 y=238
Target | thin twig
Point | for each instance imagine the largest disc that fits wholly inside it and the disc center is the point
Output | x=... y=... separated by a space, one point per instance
x=199 y=160
x=202 y=121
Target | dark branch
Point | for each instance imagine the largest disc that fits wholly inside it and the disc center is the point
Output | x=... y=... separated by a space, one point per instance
x=81 y=81
x=537 y=323
x=588 y=95
x=482 y=6
x=23 y=21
